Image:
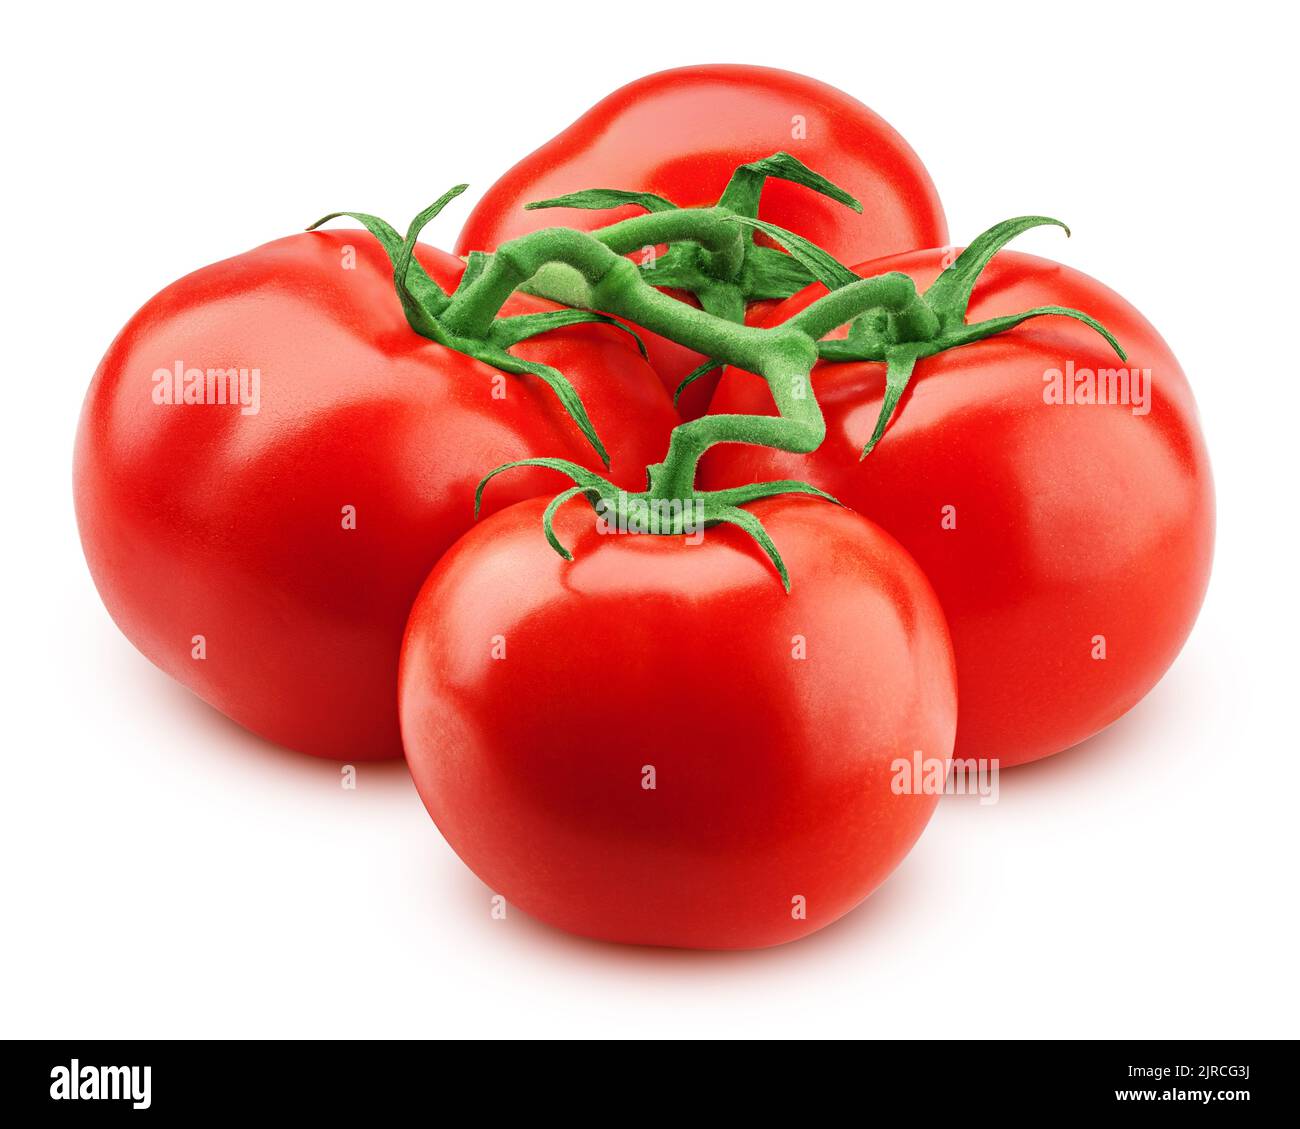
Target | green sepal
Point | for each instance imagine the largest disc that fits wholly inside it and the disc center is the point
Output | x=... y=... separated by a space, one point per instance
x=770 y=274
x=743 y=519
x=602 y=199
x=719 y=506
x=820 y=265
x=841 y=350
x=413 y=293
x=678 y=268
x=868 y=335
x=982 y=329
x=901 y=341
x=580 y=475
x=587 y=483
x=548 y=515
x=693 y=376
x=422 y=299
x=510 y=331
x=949 y=295
x=899 y=362
x=757 y=491
x=723 y=300
x=724 y=506
x=556 y=381
x=746 y=185
x=381 y=229
x=419 y=284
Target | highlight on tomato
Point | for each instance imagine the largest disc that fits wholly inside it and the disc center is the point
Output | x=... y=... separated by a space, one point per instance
x=1058 y=496
x=677 y=139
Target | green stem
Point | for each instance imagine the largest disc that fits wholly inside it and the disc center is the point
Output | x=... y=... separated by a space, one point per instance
x=616 y=287
x=894 y=292
x=473 y=308
x=709 y=227
x=783 y=355
x=890 y=322
x=799 y=427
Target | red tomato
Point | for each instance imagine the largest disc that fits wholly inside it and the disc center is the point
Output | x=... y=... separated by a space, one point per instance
x=1069 y=543
x=655 y=744
x=682 y=133
x=201 y=520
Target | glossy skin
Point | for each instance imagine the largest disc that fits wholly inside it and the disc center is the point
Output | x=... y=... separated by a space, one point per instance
x=1072 y=520
x=200 y=520
x=772 y=773
x=682 y=133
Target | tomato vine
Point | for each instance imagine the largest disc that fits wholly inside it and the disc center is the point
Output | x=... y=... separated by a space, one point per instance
x=713 y=254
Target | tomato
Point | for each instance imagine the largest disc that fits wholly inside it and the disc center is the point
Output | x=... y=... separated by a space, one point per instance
x=655 y=744
x=267 y=559
x=1069 y=542
x=682 y=133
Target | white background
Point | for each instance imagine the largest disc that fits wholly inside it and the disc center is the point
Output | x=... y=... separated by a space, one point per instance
x=165 y=874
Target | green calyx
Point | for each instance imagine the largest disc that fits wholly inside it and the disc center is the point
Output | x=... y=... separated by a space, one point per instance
x=644 y=513
x=710 y=254
x=424 y=302
x=938 y=322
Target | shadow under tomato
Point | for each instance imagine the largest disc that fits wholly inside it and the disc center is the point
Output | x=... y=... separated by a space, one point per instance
x=214 y=730
x=1144 y=732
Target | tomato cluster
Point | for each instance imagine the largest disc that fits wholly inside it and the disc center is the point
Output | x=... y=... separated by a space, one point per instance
x=690 y=700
